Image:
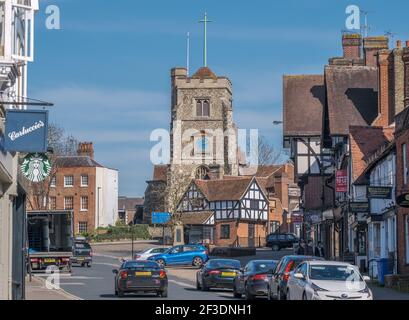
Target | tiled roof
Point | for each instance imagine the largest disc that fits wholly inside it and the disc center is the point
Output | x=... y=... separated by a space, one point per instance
x=365 y=141
x=352 y=95
x=204 y=73
x=125 y=203
x=76 y=161
x=303 y=95
x=196 y=218
x=160 y=173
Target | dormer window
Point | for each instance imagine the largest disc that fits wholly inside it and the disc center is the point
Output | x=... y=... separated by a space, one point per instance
x=203 y=107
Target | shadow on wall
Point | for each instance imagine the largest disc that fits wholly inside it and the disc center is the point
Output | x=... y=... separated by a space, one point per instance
x=365 y=101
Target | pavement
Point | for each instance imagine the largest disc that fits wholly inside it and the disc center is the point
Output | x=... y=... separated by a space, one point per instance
x=97 y=283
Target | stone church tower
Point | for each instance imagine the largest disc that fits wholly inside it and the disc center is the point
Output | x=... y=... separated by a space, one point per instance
x=203 y=134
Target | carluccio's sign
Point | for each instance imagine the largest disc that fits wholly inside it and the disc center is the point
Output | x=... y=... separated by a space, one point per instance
x=36 y=167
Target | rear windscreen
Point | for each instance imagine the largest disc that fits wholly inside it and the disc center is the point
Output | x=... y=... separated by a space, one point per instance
x=141 y=265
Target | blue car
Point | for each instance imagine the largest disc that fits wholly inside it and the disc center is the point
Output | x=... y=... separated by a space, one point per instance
x=193 y=254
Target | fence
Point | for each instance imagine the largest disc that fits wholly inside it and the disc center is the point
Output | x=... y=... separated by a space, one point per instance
x=245 y=242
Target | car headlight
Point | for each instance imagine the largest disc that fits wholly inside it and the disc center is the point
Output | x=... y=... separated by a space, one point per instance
x=316 y=288
x=367 y=291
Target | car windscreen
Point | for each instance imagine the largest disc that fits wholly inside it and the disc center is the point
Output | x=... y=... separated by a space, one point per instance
x=224 y=264
x=141 y=265
x=80 y=245
x=334 y=273
x=264 y=266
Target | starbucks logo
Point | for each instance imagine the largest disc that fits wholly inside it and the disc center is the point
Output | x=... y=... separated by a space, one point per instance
x=36 y=167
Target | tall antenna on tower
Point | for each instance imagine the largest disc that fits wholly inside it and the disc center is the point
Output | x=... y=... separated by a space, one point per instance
x=188 y=54
x=390 y=34
x=205 y=21
x=366 y=27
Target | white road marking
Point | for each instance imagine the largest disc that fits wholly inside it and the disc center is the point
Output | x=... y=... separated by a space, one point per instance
x=72 y=284
x=183 y=284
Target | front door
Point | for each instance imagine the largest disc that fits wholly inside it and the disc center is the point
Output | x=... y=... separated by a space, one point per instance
x=251 y=243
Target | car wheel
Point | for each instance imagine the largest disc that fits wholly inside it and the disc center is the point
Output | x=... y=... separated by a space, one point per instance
x=82 y=265
x=280 y=295
x=276 y=248
x=204 y=286
x=120 y=293
x=164 y=293
x=288 y=295
x=197 y=262
x=236 y=294
x=197 y=284
x=116 y=292
x=248 y=295
x=161 y=262
x=89 y=265
x=304 y=296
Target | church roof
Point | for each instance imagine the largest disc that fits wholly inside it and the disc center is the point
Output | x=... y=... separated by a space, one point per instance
x=205 y=73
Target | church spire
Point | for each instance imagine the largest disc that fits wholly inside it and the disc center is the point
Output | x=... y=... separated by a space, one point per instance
x=205 y=21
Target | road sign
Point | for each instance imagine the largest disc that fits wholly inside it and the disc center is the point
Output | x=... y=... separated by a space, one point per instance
x=160 y=217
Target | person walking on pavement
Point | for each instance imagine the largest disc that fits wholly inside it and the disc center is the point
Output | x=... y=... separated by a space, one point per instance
x=319 y=250
x=301 y=248
x=310 y=249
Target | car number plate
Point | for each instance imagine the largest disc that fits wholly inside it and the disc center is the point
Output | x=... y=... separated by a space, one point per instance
x=228 y=274
x=49 y=260
x=143 y=274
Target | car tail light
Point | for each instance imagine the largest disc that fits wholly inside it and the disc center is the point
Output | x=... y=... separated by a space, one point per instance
x=162 y=274
x=287 y=270
x=213 y=272
x=34 y=260
x=65 y=259
x=259 y=277
x=123 y=274
x=206 y=253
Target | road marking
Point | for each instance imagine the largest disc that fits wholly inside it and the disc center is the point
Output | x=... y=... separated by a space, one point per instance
x=107 y=264
x=183 y=284
x=72 y=284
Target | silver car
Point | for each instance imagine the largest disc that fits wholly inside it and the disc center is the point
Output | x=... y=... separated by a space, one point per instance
x=325 y=280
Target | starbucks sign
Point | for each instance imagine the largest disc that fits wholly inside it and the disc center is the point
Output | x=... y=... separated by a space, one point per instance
x=36 y=167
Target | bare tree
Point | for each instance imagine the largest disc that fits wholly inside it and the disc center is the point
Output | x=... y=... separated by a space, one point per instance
x=268 y=155
x=61 y=145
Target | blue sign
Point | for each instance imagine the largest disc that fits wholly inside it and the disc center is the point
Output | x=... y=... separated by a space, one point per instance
x=26 y=131
x=160 y=217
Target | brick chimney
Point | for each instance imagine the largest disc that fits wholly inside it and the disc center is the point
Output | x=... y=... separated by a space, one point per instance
x=385 y=99
x=405 y=58
x=352 y=43
x=86 y=149
x=371 y=47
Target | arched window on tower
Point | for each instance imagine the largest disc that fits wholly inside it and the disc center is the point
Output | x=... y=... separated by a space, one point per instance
x=203 y=108
x=202 y=173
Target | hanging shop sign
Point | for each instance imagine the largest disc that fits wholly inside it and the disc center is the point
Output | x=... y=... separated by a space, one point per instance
x=36 y=167
x=403 y=200
x=379 y=192
x=26 y=131
x=359 y=207
x=342 y=181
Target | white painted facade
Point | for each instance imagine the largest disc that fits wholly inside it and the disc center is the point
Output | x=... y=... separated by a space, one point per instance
x=106 y=190
x=16 y=49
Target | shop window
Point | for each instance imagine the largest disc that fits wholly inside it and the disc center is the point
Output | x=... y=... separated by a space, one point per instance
x=225 y=231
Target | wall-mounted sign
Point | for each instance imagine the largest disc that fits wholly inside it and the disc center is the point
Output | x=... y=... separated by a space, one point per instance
x=36 y=167
x=26 y=131
x=160 y=217
x=342 y=181
x=379 y=192
x=403 y=200
x=359 y=207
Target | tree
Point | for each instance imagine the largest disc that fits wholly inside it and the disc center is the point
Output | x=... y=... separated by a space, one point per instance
x=268 y=155
x=61 y=144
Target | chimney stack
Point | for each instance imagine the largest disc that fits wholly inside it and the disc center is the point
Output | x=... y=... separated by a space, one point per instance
x=352 y=43
x=385 y=105
x=405 y=58
x=372 y=45
x=86 y=149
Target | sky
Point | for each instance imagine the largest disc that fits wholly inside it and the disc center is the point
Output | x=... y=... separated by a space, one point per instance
x=107 y=70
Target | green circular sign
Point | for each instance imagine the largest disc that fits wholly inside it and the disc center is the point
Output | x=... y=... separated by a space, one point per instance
x=36 y=167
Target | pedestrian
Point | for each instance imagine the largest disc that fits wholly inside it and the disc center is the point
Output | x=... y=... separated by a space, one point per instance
x=310 y=249
x=319 y=250
x=301 y=248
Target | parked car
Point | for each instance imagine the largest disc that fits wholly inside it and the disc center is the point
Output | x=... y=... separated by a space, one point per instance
x=281 y=241
x=277 y=287
x=145 y=254
x=217 y=273
x=195 y=255
x=324 y=280
x=141 y=276
x=82 y=253
x=254 y=278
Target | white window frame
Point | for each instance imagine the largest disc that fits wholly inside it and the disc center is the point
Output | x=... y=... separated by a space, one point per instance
x=65 y=181
x=53 y=182
x=65 y=203
x=82 y=204
x=29 y=30
x=82 y=177
x=82 y=223
x=405 y=164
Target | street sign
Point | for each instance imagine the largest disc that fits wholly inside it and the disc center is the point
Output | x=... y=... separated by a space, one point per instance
x=359 y=207
x=403 y=200
x=379 y=192
x=26 y=131
x=36 y=167
x=160 y=217
x=342 y=181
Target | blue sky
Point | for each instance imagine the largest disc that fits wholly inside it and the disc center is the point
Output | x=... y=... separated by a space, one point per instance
x=107 y=69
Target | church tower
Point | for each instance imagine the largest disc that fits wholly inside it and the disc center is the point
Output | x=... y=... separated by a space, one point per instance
x=203 y=139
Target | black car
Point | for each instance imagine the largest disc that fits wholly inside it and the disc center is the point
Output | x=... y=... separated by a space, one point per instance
x=217 y=273
x=281 y=241
x=277 y=287
x=141 y=276
x=253 y=280
x=82 y=254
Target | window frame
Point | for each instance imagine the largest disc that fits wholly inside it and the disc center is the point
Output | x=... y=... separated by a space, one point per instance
x=223 y=232
x=82 y=223
x=81 y=203
x=53 y=182
x=202 y=101
x=404 y=163
x=65 y=181
x=65 y=203
x=87 y=178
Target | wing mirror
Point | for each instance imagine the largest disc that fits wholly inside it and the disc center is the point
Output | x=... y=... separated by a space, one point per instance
x=366 y=278
x=115 y=271
x=299 y=276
